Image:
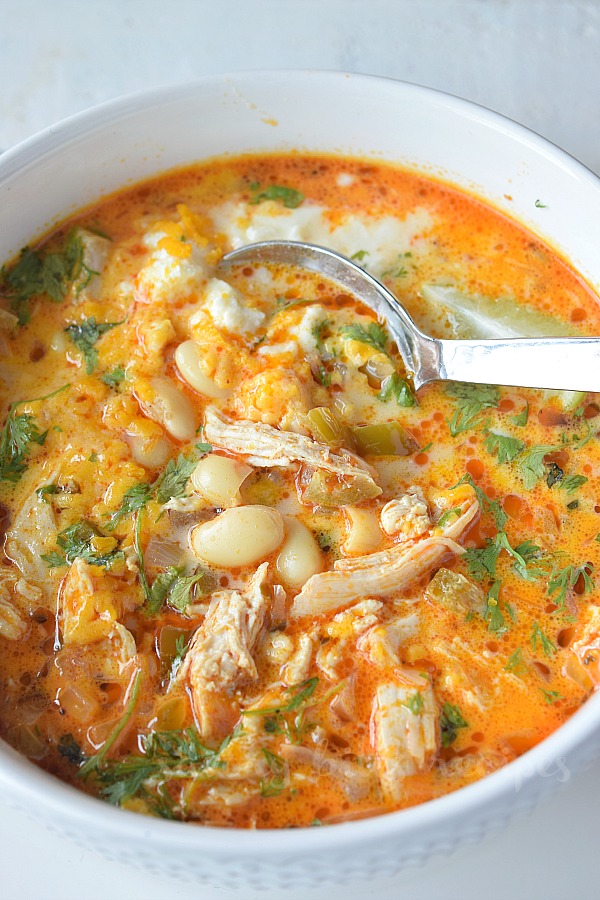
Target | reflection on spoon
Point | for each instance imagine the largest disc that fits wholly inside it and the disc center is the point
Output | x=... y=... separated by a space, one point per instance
x=561 y=363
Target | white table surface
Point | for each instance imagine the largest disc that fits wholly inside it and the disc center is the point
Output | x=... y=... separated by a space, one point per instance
x=537 y=61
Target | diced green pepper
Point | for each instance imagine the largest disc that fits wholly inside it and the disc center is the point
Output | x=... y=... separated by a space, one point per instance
x=325 y=489
x=328 y=429
x=387 y=439
x=481 y=317
x=455 y=592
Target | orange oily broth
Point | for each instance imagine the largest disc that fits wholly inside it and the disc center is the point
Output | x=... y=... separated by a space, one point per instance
x=89 y=439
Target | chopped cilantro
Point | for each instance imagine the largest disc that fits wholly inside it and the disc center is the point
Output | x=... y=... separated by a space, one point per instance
x=538 y=637
x=540 y=205
x=451 y=722
x=181 y=590
x=115 y=377
x=506 y=448
x=414 y=703
x=562 y=581
x=397 y=387
x=360 y=255
x=493 y=614
x=470 y=400
x=323 y=376
x=447 y=515
x=86 y=335
x=515 y=663
x=134 y=498
x=375 y=335
x=172 y=483
x=161 y=586
x=318 y=332
x=572 y=482
x=521 y=418
x=551 y=696
x=78 y=542
x=290 y=197
x=17 y=435
x=46 y=489
x=276 y=783
x=487 y=505
x=34 y=274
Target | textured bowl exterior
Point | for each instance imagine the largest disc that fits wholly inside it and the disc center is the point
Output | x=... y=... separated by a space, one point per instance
x=76 y=162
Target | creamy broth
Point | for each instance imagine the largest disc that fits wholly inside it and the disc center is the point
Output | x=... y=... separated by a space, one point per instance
x=250 y=579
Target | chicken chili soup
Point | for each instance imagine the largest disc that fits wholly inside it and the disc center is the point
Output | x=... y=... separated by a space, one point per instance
x=249 y=578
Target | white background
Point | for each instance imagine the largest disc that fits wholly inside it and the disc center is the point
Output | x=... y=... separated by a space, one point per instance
x=537 y=61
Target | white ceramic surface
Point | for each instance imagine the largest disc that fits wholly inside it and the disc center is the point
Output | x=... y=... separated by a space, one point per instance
x=98 y=151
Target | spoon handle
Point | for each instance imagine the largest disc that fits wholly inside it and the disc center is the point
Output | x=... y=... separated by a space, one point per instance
x=557 y=363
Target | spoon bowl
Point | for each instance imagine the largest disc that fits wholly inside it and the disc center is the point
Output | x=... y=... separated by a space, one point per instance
x=556 y=363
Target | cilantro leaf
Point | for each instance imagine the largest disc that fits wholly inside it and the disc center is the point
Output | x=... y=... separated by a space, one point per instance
x=562 y=581
x=531 y=465
x=538 y=636
x=572 y=482
x=521 y=418
x=290 y=197
x=470 y=400
x=86 y=335
x=493 y=614
x=34 y=274
x=375 y=335
x=399 y=389
x=114 y=377
x=485 y=502
x=134 y=499
x=19 y=432
x=180 y=592
x=276 y=784
x=172 y=483
x=515 y=663
x=77 y=542
x=414 y=703
x=506 y=448
x=161 y=586
x=451 y=722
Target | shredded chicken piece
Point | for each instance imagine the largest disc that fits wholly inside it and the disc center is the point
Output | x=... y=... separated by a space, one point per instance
x=585 y=668
x=344 y=627
x=27 y=536
x=297 y=667
x=356 y=781
x=381 y=644
x=407 y=517
x=88 y=615
x=219 y=657
x=406 y=734
x=384 y=572
x=265 y=446
x=12 y=625
x=85 y=615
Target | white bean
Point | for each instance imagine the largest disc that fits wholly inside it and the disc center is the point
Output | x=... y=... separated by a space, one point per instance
x=300 y=556
x=363 y=534
x=188 y=359
x=238 y=537
x=172 y=409
x=151 y=453
x=219 y=478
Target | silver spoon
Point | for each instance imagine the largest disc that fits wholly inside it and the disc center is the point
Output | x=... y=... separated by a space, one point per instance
x=564 y=363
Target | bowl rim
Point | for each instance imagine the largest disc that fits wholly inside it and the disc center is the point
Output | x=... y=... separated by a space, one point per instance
x=27 y=779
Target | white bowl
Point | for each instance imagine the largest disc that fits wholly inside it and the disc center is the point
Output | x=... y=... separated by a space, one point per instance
x=55 y=173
